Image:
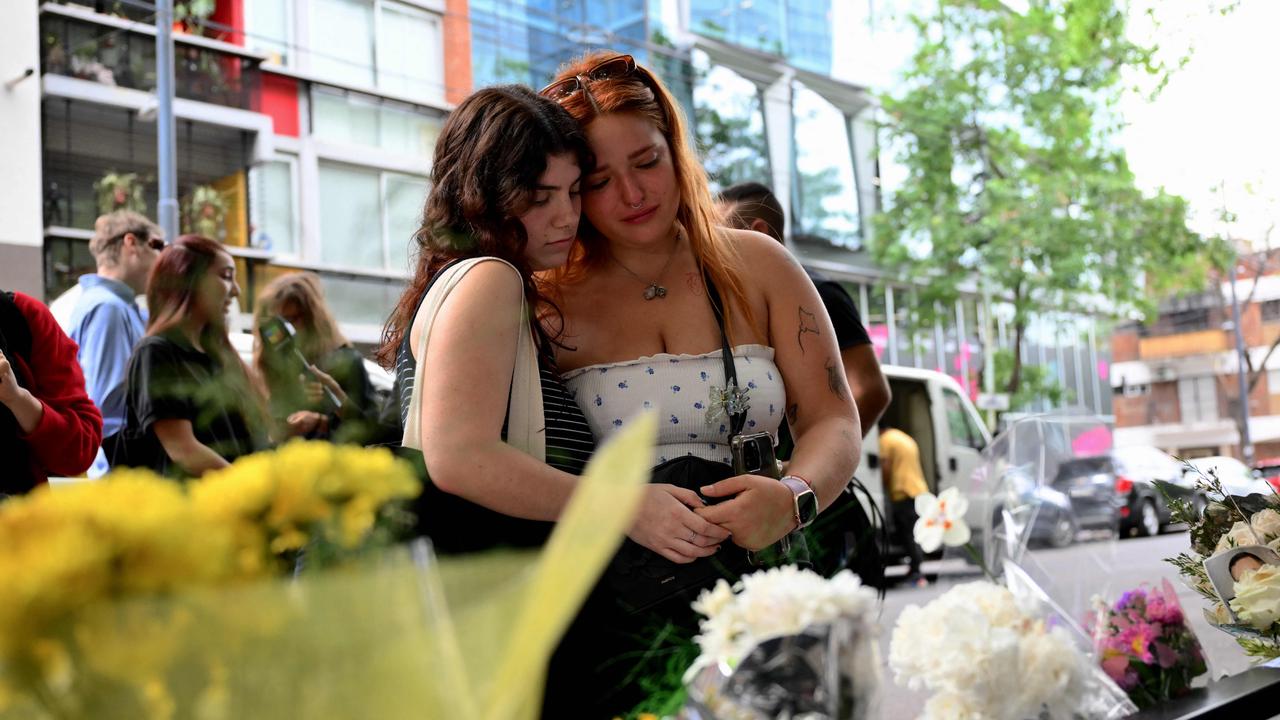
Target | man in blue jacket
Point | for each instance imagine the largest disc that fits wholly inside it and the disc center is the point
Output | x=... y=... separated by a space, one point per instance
x=107 y=321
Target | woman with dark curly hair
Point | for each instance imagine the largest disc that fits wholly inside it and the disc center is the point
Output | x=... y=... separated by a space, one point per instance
x=501 y=440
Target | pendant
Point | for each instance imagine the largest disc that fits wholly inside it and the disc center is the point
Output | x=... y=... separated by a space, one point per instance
x=654 y=291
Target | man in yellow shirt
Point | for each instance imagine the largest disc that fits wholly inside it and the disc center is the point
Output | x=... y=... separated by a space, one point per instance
x=903 y=479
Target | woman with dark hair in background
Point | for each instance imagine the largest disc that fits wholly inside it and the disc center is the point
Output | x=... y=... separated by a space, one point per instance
x=330 y=395
x=191 y=400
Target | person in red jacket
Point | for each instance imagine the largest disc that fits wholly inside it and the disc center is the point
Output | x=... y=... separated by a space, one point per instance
x=48 y=424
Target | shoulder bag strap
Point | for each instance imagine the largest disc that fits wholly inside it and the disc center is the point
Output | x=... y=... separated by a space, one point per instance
x=737 y=420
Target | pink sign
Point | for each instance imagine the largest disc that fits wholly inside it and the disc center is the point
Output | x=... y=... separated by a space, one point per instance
x=1095 y=441
x=879 y=335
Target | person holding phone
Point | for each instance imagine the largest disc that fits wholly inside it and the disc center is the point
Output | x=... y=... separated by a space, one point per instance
x=315 y=379
x=192 y=405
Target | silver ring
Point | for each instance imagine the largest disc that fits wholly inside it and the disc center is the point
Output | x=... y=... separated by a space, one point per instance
x=693 y=535
x=637 y=205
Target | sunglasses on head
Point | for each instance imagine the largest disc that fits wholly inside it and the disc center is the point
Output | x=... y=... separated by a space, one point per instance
x=152 y=241
x=611 y=68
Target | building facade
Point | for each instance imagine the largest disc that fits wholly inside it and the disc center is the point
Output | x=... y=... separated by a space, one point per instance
x=312 y=122
x=1176 y=379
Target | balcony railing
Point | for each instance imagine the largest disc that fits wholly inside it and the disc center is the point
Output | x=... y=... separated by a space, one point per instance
x=80 y=43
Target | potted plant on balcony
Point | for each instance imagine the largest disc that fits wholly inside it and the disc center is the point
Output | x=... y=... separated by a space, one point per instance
x=190 y=16
x=204 y=212
x=120 y=191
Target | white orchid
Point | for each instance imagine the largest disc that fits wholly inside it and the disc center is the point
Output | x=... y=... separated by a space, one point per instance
x=941 y=520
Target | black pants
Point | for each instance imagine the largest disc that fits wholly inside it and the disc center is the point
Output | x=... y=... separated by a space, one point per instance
x=904 y=522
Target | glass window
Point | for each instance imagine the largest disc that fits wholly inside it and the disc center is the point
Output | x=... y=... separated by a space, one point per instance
x=341 y=40
x=367 y=218
x=729 y=122
x=343 y=117
x=272 y=207
x=357 y=119
x=825 y=197
x=877 y=321
x=363 y=301
x=269 y=28
x=1198 y=399
x=406 y=196
x=410 y=51
x=758 y=24
x=408 y=132
x=964 y=431
x=350 y=217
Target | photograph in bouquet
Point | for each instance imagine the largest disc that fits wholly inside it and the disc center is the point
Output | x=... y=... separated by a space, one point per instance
x=1242 y=592
x=1228 y=567
x=1144 y=643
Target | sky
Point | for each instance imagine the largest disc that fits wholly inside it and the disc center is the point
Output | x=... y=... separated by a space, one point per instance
x=1218 y=120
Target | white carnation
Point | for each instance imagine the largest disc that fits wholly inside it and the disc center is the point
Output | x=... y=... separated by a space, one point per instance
x=773 y=603
x=981 y=657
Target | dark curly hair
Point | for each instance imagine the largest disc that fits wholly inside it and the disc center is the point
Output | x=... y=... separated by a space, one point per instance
x=489 y=158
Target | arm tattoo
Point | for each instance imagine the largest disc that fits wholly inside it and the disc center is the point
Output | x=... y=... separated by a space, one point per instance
x=808 y=324
x=793 y=412
x=835 y=379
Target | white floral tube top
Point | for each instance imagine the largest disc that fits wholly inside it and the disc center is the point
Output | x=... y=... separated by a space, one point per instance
x=679 y=387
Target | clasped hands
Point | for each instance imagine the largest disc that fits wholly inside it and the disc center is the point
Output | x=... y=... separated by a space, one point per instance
x=675 y=523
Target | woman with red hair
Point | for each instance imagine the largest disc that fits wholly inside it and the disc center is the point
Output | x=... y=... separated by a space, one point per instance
x=659 y=305
x=191 y=406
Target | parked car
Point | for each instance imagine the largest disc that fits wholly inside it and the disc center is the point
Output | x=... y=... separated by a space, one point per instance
x=1269 y=470
x=1235 y=476
x=1139 y=468
x=1090 y=483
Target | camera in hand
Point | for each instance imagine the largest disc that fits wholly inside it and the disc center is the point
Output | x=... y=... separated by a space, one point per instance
x=280 y=340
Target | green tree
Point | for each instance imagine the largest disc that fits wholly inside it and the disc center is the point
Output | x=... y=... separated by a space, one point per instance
x=1007 y=126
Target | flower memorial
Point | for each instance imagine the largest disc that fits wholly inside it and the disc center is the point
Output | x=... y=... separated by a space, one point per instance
x=1240 y=537
x=982 y=656
x=1145 y=645
x=267 y=590
x=768 y=642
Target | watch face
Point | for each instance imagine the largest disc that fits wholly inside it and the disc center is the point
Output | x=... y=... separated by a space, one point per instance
x=807 y=505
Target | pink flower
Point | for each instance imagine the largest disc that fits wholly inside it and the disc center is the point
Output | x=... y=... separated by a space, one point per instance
x=1166 y=655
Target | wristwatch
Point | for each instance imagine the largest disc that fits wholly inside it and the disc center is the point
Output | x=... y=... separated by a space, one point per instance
x=806 y=503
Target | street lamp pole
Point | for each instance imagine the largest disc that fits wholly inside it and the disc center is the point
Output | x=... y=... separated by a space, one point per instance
x=166 y=143
x=1246 y=441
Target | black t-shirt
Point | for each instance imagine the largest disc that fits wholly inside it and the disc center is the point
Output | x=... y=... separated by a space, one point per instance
x=171 y=380
x=843 y=311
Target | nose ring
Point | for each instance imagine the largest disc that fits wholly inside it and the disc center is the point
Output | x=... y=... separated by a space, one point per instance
x=636 y=206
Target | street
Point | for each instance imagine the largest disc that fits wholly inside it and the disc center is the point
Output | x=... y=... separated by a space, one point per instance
x=1084 y=569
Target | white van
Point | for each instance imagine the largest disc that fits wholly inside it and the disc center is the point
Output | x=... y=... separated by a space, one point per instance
x=934 y=410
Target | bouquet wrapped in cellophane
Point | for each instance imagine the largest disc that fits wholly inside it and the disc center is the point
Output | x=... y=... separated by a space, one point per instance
x=1144 y=643
x=137 y=598
x=786 y=642
x=1234 y=561
x=1009 y=646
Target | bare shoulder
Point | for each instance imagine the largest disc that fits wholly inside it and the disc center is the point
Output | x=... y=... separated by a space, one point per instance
x=764 y=260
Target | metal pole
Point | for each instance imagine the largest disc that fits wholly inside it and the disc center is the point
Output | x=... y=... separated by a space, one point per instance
x=1246 y=442
x=166 y=141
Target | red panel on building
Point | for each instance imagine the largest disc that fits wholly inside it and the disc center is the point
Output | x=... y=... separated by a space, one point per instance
x=231 y=14
x=280 y=101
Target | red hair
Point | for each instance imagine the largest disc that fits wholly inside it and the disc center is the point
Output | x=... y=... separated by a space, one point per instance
x=641 y=93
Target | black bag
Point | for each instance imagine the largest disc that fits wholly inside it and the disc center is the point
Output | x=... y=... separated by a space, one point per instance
x=639 y=578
